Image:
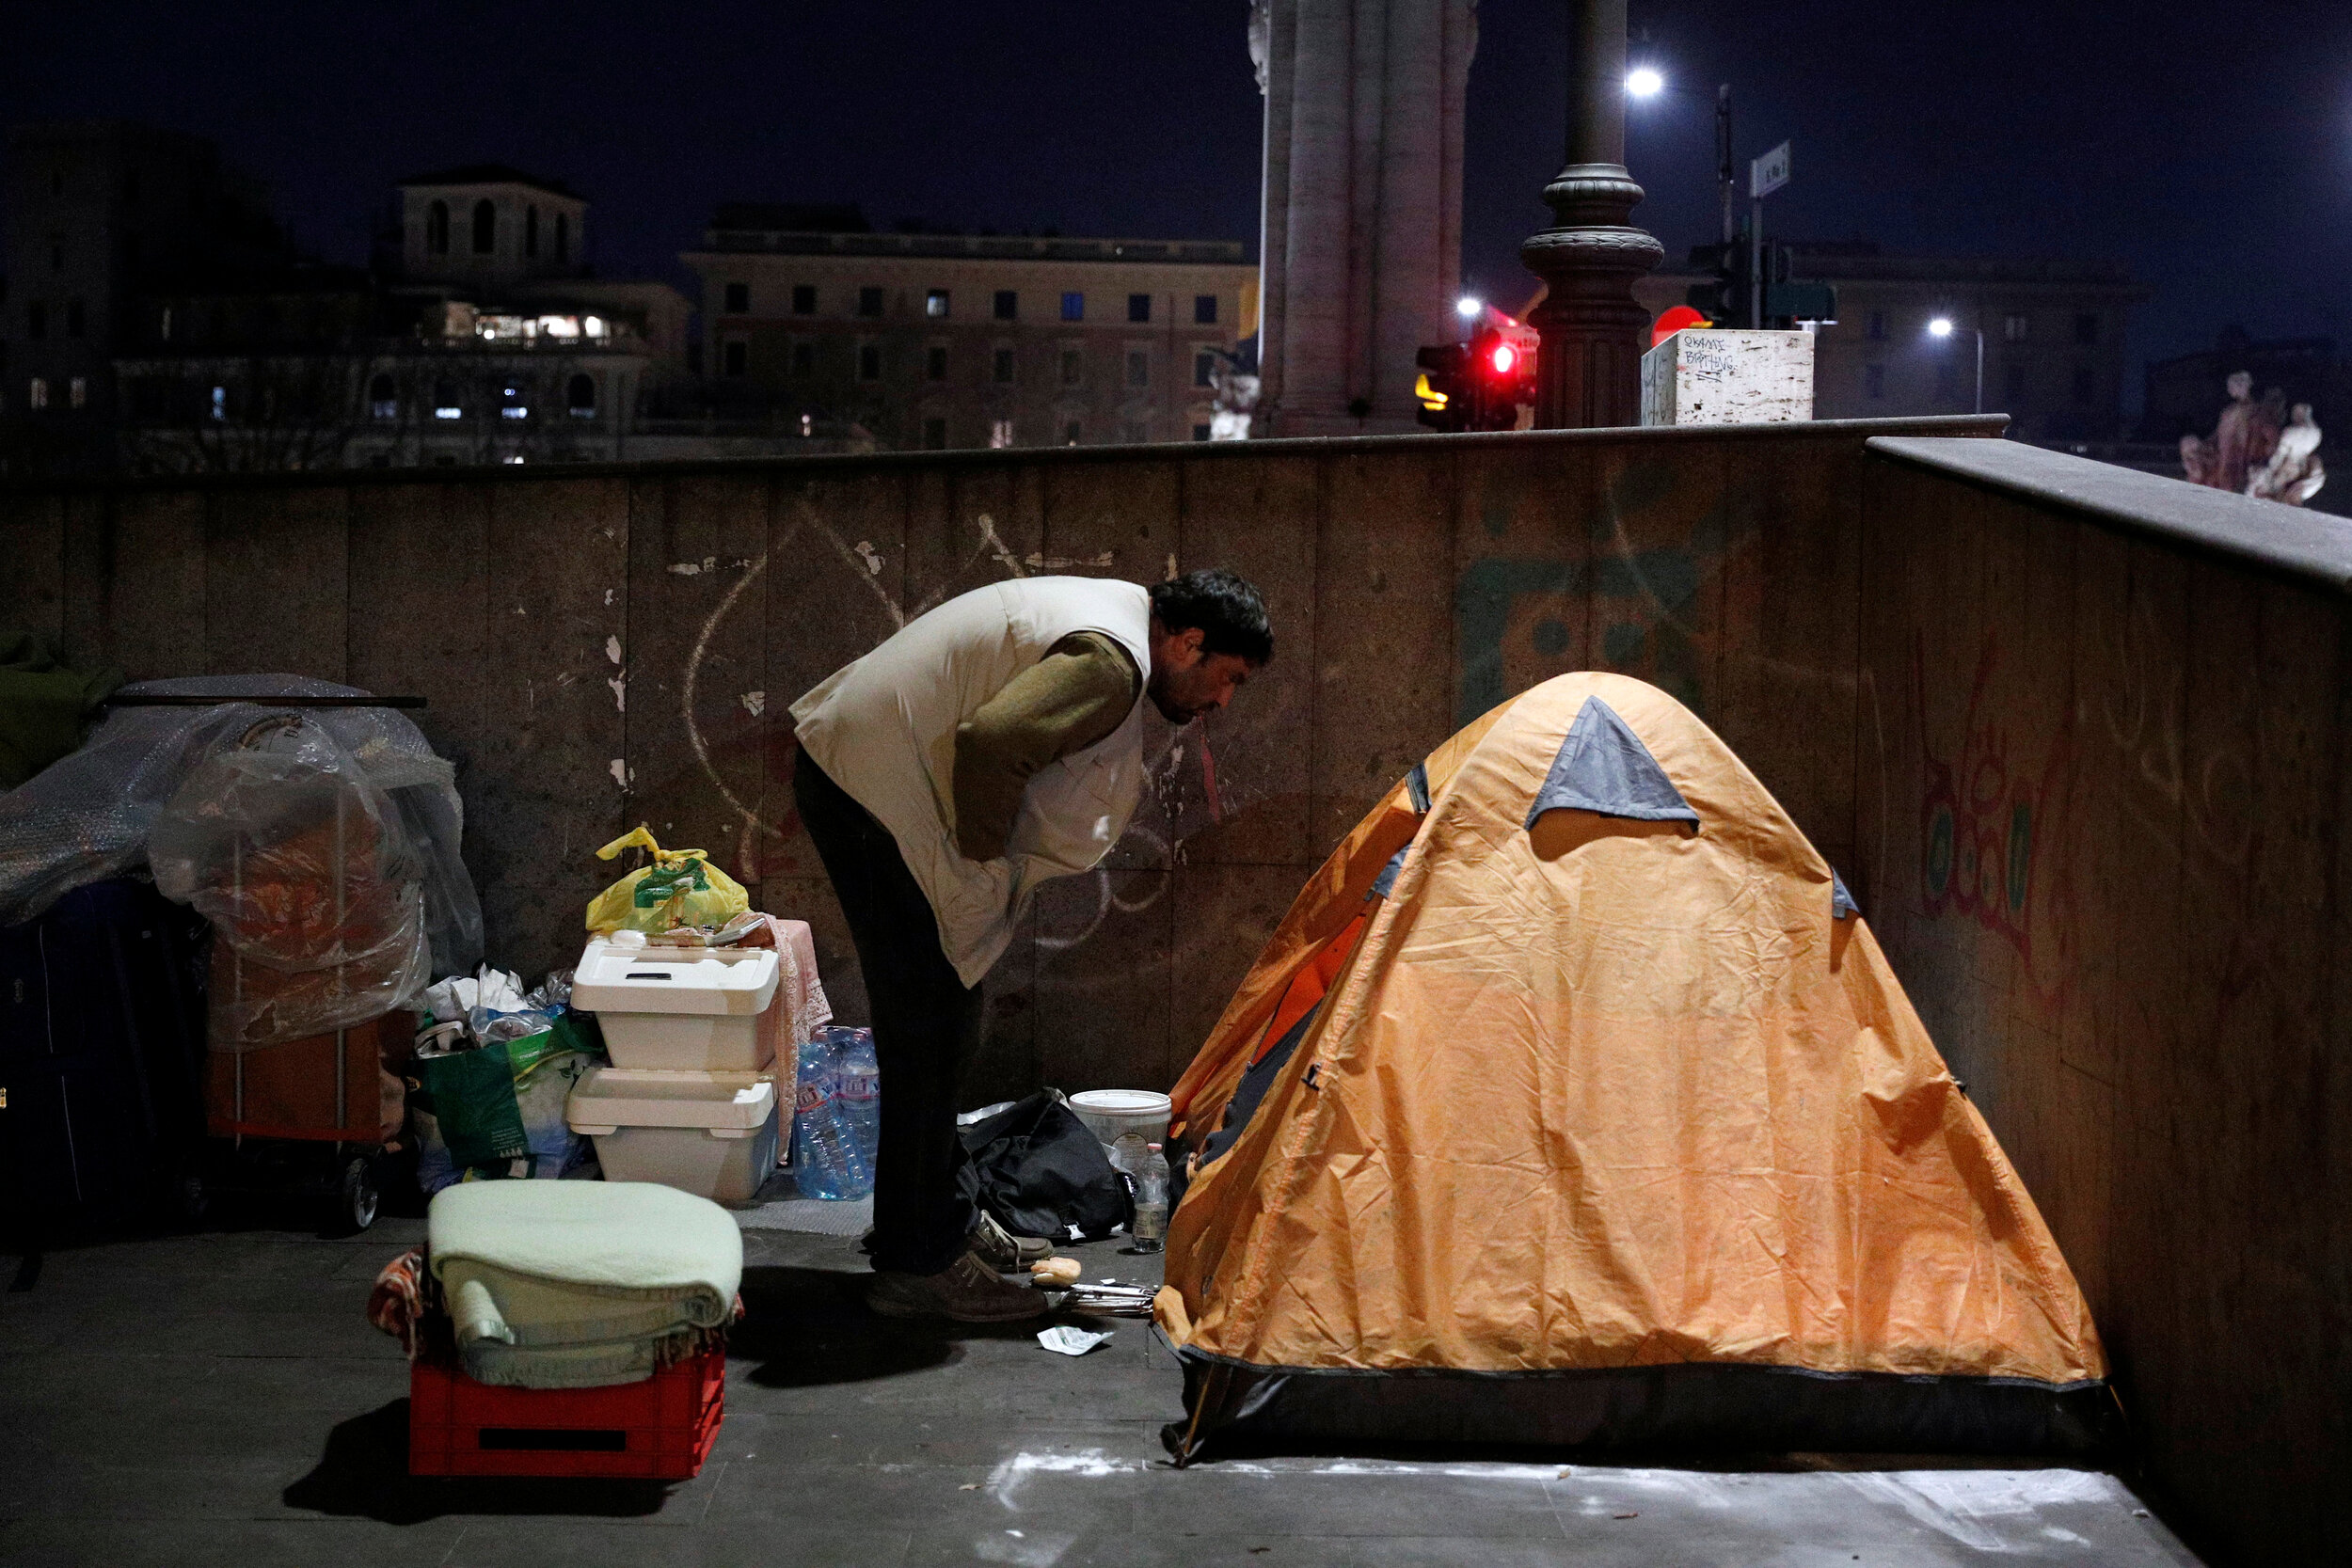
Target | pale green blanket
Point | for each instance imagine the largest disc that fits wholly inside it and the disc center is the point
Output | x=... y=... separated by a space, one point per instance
x=576 y=1284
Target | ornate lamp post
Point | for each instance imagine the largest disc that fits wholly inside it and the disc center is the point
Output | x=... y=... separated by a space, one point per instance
x=1589 y=370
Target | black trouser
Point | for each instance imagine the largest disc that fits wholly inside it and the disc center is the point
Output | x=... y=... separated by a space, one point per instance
x=926 y=1025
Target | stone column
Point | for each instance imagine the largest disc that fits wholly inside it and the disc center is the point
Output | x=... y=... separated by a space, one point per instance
x=1589 y=369
x=1360 y=250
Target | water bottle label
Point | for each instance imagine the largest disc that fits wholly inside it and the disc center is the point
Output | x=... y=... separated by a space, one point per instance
x=812 y=1097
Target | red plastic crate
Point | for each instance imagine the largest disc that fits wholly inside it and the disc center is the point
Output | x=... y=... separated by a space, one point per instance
x=661 y=1429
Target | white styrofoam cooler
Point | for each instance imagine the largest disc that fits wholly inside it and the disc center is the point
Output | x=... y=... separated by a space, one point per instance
x=710 y=1133
x=1109 y=1112
x=702 y=1009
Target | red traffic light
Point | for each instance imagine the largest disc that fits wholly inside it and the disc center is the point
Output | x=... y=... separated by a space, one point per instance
x=1502 y=357
x=1673 y=322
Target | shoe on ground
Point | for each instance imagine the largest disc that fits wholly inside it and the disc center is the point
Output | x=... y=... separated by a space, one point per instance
x=966 y=1291
x=1004 y=1251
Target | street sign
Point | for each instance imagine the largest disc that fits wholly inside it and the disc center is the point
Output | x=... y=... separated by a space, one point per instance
x=1768 y=173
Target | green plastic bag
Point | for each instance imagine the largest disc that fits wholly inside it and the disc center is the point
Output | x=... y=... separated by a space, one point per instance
x=471 y=1096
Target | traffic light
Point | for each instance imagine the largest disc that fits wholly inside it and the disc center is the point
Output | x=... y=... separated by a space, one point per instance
x=1503 y=371
x=1723 y=298
x=1787 y=303
x=1444 y=390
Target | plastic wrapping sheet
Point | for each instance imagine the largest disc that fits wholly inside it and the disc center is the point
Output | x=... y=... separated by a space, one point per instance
x=88 y=816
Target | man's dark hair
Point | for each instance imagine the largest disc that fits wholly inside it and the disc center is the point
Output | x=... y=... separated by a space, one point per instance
x=1231 y=615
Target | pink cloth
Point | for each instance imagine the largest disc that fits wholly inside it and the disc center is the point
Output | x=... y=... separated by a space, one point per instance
x=799 y=990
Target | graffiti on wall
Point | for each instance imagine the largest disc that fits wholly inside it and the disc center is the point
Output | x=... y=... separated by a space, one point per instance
x=1652 y=552
x=1997 y=827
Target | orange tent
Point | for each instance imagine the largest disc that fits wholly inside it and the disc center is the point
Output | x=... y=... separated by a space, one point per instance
x=1573 y=1102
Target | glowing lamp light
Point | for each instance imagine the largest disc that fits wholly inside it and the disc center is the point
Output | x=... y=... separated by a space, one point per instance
x=1643 y=82
x=1940 y=327
x=1467 y=307
x=1503 y=358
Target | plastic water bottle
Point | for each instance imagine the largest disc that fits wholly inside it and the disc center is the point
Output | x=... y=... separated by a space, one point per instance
x=1151 y=1227
x=1128 y=1157
x=826 y=1162
x=859 y=1076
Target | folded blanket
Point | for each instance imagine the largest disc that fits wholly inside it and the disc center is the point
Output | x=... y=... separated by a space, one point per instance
x=571 y=1284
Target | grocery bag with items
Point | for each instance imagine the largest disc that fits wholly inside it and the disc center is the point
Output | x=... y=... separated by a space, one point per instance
x=492 y=1072
x=680 y=887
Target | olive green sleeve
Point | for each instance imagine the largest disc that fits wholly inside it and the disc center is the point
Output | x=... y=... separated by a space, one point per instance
x=1073 y=698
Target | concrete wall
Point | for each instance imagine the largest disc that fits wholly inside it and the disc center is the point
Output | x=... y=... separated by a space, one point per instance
x=2100 y=778
x=2071 y=732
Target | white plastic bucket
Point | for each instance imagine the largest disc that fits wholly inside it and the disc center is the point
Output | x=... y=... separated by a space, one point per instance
x=1109 y=1112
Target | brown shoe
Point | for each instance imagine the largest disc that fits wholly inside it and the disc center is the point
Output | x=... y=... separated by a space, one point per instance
x=967 y=1292
x=1005 y=1251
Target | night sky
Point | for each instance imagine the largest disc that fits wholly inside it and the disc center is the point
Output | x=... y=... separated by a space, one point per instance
x=2209 y=147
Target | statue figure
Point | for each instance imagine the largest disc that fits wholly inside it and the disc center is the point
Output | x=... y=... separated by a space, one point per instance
x=2221 y=462
x=2292 y=473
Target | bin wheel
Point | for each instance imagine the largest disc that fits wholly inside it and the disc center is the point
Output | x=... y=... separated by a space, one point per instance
x=192 y=1199
x=360 y=1197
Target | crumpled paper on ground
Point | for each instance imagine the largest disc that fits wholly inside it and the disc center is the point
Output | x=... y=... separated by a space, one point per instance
x=1067 y=1341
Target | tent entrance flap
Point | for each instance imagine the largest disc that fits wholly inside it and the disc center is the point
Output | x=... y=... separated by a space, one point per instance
x=1235 y=1407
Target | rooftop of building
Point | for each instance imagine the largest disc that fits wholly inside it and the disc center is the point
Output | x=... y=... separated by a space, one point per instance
x=842 y=229
x=488 y=174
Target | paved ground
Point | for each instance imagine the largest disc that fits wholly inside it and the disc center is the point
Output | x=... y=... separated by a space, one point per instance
x=220 y=1399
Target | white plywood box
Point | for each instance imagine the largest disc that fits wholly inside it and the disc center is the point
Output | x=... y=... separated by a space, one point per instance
x=1704 y=375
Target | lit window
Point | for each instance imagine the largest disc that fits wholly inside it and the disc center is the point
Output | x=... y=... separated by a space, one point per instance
x=530 y=230
x=935 y=363
x=1004 y=366
x=1874 y=381
x=804 y=359
x=77 y=392
x=1073 y=307
x=580 y=394
x=1071 y=433
x=1138 y=307
x=1205 y=310
x=738 y=300
x=1204 y=367
x=486 y=227
x=869 y=300
x=736 y=356
x=437 y=228
x=1073 y=367
x=220 y=402
x=934 y=435
x=164 y=331
x=592 y=326
x=1008 y=305
x=445 y=402
x=37 y=395
x=383 y=401
x=803 y=299
x=935 y=303
x=1000 y=432
x=2013 y=327
x=870 y=362
x=1138 y=368
x=510 y=403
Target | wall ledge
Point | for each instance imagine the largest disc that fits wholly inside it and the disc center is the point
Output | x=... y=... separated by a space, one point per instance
x=1975 y=426
x=2312 y=546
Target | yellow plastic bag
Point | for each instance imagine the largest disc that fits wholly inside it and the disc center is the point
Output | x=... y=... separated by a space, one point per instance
x=680 y=888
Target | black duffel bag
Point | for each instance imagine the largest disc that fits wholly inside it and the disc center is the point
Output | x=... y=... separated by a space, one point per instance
x=1040 y=1172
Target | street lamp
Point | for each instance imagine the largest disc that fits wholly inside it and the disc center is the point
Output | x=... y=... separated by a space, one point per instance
x=1942 y=327
x=1643 y=82
x=1469 y=306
